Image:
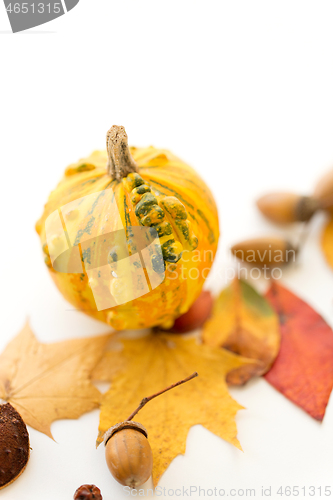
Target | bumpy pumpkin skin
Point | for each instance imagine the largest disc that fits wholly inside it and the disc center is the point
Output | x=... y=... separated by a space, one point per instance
x=167 y=176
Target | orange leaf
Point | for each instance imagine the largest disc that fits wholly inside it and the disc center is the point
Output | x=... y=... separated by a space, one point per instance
x=303 y=370
x=245 y=323
x=327 y=242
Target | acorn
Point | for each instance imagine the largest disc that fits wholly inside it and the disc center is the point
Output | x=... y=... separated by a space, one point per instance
x=323 y=192
x=127 y=450
x=14 y=445
x=128 y=453
x=286 y=208
x=270 y=252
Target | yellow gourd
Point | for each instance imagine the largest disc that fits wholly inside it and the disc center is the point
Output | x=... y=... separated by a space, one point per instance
x=129 y=235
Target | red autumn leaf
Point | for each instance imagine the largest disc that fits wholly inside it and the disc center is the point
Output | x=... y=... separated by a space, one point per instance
x=303 y=369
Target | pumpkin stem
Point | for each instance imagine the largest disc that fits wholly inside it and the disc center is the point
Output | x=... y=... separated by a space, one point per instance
x=120 y=161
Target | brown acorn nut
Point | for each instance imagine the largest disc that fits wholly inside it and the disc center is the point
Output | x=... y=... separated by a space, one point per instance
x=286 y=208
x=128 y=453
x=270 y=252
x=14 y=445
x=88 y=492
x=323 y=192
x=127 y=450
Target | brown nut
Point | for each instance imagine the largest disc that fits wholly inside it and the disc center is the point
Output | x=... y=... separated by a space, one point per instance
x=128 y=453
x=88 y=492
x=323 y=192
x=270 y=252
x=15 y=448
x=286 y=208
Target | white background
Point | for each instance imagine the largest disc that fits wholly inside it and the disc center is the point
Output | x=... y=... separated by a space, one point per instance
x=242 y=90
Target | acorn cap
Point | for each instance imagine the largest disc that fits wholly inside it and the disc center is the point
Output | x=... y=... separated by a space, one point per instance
x=305 y=208
x=127 y=424
x=14 y=445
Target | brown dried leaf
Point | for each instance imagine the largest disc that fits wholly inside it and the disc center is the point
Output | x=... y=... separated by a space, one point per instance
x=47 y=382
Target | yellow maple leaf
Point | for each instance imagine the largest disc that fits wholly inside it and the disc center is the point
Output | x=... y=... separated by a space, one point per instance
x=244 y=322
x=147 y=365
x=47 y=382
x=327 y=242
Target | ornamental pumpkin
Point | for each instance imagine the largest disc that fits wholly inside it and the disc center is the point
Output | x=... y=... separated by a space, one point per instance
x=130 y=234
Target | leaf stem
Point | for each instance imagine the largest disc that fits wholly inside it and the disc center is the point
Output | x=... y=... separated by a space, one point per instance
x=145 y=400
